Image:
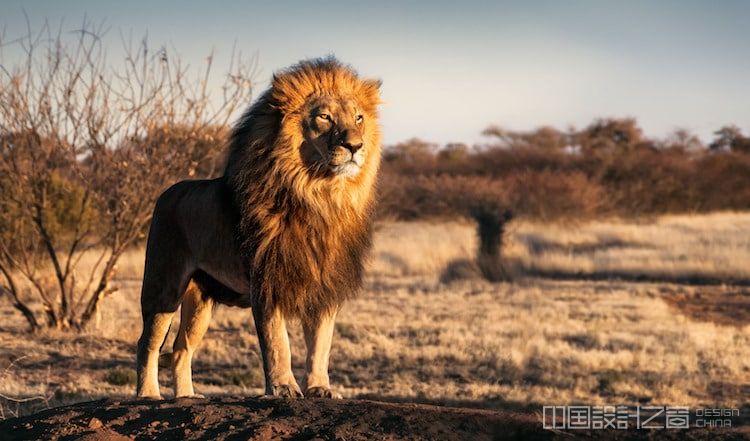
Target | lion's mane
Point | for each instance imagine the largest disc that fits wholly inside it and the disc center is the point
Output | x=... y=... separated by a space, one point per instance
x=304 y=234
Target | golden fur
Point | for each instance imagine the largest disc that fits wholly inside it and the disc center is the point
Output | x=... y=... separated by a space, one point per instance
x=284 y=230
x=305 y=231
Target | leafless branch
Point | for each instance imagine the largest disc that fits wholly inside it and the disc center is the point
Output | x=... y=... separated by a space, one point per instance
x=85 y=148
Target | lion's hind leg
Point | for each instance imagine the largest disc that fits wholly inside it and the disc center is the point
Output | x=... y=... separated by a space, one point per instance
x=160 y=298
x=155 y=329
x=194 y=321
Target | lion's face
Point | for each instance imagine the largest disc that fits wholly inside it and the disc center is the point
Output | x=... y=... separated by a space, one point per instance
x=334 y=131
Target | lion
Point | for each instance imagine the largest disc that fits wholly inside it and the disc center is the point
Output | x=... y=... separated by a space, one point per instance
x=284 y=231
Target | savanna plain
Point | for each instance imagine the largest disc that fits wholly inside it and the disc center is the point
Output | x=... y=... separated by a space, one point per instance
x=655 y=311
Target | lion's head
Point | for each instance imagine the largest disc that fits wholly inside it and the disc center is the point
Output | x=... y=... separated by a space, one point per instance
x=329 y=119
x=317 y=124
x=302 y=166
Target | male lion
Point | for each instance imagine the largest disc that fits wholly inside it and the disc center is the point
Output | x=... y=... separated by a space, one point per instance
x=283 y=231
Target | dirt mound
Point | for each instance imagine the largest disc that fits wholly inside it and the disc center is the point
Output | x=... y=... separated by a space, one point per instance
x=273 y=418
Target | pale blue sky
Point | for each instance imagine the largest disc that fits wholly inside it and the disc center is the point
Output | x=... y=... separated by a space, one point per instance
x=450 y=69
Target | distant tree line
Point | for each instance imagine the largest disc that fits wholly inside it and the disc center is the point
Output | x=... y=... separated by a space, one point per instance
x=607 y=168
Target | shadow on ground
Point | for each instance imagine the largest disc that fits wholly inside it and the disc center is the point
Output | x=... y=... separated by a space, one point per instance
x=712 y=304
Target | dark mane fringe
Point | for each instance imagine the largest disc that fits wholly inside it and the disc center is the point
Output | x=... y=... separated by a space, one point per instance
x=304 y=236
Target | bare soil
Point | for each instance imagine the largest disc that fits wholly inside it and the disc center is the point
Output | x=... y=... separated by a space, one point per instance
x=234 y=418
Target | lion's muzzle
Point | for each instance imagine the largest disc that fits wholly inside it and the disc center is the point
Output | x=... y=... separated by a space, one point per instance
x=347 y=160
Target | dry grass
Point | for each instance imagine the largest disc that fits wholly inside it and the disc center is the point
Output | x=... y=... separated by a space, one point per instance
x=713 y=246
x=418 y=248
x=408 y=336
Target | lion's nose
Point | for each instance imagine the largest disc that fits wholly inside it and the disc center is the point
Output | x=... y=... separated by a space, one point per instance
x=351 y=146
x=351 y=141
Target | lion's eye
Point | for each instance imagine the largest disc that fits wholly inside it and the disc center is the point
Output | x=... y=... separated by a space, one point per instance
x=359 y=119
x=324 y=116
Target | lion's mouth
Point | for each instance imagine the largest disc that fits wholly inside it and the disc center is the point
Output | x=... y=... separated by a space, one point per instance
x=345 y=163
x=347 y=169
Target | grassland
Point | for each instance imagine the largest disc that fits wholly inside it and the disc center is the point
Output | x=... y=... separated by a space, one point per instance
x=562 y=331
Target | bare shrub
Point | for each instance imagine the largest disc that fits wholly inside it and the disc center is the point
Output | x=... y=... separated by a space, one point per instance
x=85 y=148
x=491 y=221
x=486 y=201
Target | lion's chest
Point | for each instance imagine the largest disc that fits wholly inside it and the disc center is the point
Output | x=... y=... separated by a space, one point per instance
x=309 y=260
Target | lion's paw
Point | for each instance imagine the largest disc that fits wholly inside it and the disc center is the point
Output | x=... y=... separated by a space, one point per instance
x=287 y=391
x=321 y=392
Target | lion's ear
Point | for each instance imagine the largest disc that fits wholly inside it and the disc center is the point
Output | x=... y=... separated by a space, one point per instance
x=280 y=81
x=278 y=84
x=375 y=84
x=371 y=91
x=288 y=92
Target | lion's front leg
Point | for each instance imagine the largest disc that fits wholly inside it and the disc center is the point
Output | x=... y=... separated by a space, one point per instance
x=318 y=336
x=277 y=357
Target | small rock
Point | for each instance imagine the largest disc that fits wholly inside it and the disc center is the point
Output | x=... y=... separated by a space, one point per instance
x=154 y=423
x=231 y=427
x=95 y=423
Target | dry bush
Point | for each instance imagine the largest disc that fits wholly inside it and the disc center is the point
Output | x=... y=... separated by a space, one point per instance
x=539 y=195
x=721 y=182
x=608 y=168
x=609 y=135
x=730 y=138
x=86 y=146
x=483 y=200
x=491 y=220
